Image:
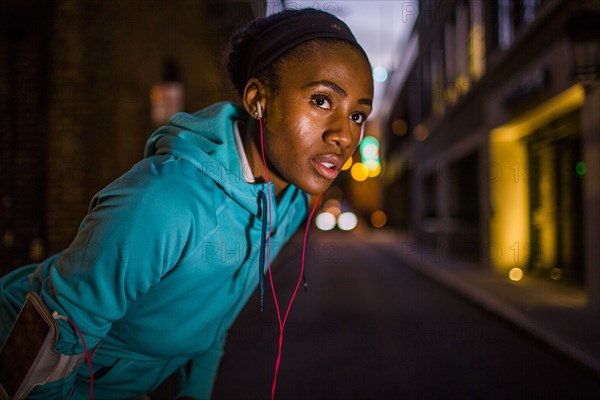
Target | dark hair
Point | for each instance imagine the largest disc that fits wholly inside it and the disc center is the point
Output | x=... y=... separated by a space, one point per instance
x=241 y=43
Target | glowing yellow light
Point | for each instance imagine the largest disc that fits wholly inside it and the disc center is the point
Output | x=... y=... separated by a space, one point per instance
x=375 y=170
x=451 y=93
x=567 y=101
x=359 y=172
x=509 y=181
x=463 y=84
x=372 y=165
x=515 y=274
x=378 y=219
x=347 y=164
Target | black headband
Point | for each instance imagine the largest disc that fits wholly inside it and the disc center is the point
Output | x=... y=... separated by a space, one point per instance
x=290 y=32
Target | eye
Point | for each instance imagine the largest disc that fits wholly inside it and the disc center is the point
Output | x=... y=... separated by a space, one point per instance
x=358 y=118
x=322 y=102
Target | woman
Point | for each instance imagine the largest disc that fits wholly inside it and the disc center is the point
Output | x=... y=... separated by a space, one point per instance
x=170 y=252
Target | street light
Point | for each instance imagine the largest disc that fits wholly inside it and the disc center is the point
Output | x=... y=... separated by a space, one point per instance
x=583 y=28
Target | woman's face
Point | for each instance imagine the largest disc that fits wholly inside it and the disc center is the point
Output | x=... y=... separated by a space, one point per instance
x=314 y=121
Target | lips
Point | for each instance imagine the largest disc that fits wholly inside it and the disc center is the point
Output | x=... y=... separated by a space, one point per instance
x=328 y=165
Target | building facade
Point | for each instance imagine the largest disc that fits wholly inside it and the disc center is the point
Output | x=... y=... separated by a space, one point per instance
x=82 y=86
x=492 y=147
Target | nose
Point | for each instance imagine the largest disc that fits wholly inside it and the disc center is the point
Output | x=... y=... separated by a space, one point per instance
x=340 y=134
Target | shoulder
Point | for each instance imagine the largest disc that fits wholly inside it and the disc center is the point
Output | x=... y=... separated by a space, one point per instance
x=160 y=187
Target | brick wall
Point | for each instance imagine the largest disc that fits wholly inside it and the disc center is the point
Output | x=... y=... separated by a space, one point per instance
x=81 y=103
x=23 y=108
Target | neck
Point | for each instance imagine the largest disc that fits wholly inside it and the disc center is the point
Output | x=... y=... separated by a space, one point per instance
x=252 y=147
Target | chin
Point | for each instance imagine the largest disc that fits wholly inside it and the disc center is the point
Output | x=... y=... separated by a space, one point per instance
x=314 y=188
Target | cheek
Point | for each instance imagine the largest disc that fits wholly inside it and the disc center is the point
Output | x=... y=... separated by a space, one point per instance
x=304 y=129
x=297 y=134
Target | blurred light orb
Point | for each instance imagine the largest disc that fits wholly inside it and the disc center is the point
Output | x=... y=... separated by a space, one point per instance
x=374 y=168
x=370 y=151
x=421 y=132
x=347 y=221
x=556 y=274
x=399 y=127
x=375 y=172
x=515 y=274
x=380 y=74
x=347 y=164
x=331 y=203
x=378 y=219
x=359 y=172
x=366 y=142
x=372 y=165
x=325 y=221
x=332 y=206
x=580 y=168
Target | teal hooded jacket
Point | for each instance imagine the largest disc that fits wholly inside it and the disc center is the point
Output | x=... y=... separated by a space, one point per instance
x=162 y=264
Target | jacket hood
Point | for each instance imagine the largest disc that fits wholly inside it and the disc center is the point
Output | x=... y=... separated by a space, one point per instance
x=206 y=139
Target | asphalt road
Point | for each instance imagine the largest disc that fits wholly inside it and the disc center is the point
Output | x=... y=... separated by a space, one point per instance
x=372 y=328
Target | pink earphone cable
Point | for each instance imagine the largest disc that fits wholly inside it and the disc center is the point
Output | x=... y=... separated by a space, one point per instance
x=281 y=322
x=88 y=359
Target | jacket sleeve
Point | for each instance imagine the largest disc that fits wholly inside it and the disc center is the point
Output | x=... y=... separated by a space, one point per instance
x=133 y=235
x=197 y=377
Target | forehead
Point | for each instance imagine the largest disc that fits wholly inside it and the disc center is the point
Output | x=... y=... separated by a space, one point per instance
x=332 y=61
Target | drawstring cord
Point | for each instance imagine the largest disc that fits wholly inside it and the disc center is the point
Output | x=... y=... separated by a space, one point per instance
x=261 y=261
x=267 y=250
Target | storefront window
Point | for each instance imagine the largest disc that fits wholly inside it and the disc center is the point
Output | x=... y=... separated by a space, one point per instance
x=476 y=41
x=505 y=23
x=529 y=9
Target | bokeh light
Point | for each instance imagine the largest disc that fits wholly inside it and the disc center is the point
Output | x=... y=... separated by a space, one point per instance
x=332 y=206
x=378 y=219
x=347 y=164
x=370 y=151
x=421 y=132
x=515 y=274
x=374 y=168
x=359 y=172
x=325 y=221
x=347 y=221
x=556 y=274
x=380 y=74
x=399 y=127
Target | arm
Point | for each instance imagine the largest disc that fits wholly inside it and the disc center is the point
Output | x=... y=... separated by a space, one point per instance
x=131 y=238
x=197 y=377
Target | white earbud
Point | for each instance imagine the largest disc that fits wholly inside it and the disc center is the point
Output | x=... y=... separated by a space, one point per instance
x=258 y=110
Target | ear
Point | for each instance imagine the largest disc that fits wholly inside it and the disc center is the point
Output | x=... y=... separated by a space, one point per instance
x=254 y=98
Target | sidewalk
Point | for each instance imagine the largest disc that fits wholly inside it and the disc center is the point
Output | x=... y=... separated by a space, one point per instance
x=553 y=312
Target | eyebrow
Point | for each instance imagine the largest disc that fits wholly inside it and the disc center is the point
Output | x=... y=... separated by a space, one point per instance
x=333 y=86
